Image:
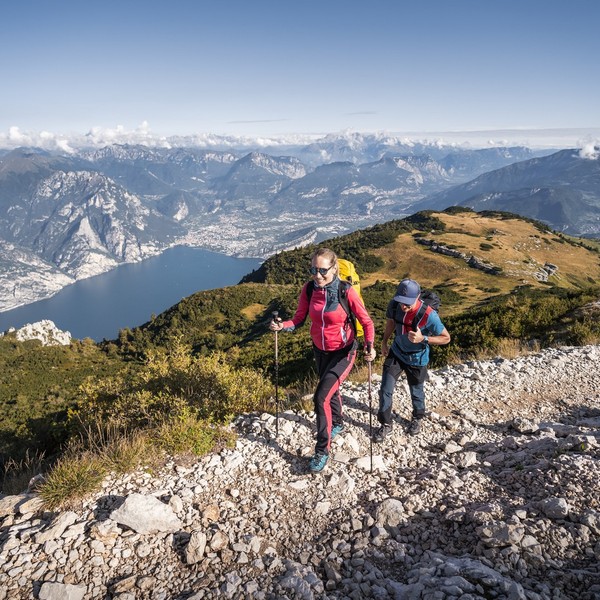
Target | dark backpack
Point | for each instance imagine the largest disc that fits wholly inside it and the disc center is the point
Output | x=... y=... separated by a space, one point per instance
x=342 y=299
x=429 y=298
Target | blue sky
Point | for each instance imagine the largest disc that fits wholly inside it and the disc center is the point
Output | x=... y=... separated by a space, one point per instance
x=262 y=67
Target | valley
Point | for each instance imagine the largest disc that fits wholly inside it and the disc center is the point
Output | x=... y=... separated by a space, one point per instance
x=66 y=217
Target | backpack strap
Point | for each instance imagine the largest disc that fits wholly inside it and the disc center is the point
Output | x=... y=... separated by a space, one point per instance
x=395 y=304
x=343 y=288
x=343 y=300
x=416 y=319
x=420 y=314
x=310 y=286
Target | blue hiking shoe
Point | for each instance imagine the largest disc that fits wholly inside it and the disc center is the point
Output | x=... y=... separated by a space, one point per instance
x=337 y=429
x=318 y=462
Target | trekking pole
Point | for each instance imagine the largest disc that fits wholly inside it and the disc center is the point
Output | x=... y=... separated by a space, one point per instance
x=276 y=318
x=370 y=416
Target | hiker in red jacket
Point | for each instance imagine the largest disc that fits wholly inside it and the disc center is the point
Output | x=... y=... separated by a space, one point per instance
x=334 y=344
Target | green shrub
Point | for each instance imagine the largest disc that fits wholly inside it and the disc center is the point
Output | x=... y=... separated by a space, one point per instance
x=220 y=391
x=585 y=331
x=38 y=385
x=524 y=315
x=72 y=478
x=456 y=210
x=189 y=435
x=170 y=384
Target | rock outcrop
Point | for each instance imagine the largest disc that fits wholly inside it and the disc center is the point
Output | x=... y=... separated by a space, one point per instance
x=497 y=497
x=472 y=261
x=45 y=331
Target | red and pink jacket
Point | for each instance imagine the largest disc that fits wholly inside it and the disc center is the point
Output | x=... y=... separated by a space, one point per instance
x=330 y=328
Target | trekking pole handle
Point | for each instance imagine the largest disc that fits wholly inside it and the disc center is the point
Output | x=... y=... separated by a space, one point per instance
x=276 y=319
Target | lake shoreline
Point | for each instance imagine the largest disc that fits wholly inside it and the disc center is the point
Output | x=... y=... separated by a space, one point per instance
x=127 y=296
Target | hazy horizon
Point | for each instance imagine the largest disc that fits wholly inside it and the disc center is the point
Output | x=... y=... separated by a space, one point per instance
x=541 y=139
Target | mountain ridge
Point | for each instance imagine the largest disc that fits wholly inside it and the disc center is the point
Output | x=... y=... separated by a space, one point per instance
x=253 y=204
x=566 y=180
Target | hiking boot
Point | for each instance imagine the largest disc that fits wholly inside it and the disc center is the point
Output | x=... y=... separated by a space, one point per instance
x=382 y=433
x=318 y=462
x=414 y=427
x=337 y=429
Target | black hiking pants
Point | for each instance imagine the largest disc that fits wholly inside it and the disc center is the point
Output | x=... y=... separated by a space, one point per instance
x=332 y=369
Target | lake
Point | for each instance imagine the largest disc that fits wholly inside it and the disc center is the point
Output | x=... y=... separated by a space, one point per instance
x=127 y=296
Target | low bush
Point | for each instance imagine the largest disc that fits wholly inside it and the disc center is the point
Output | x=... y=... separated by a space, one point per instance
x=189 y=435
x=72 y=478
x=172 y=383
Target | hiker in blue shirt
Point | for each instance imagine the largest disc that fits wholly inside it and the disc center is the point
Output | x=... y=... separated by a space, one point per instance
x=416 y=326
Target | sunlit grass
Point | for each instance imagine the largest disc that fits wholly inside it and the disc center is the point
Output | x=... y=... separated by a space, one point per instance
x=79 y=472
x=189 y=435
x=72 y=478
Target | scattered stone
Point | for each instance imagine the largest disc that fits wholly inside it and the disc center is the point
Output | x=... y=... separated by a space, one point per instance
x=496 y=498
x=555 y=508
x=61 y=591
x=194 y=551
x=146 y=514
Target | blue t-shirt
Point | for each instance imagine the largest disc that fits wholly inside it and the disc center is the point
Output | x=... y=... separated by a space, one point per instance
x=406 y=351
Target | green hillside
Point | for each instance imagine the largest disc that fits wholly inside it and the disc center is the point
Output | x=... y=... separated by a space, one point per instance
x=493 y=302
x=39 y=384
x=515 y=249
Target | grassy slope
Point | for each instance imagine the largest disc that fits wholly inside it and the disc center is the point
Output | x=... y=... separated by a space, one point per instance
x=39 y=383
x=517 y=246
x=37 y=386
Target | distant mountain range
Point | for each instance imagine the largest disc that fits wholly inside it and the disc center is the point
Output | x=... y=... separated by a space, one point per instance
x=83 y=213
x=562 y=190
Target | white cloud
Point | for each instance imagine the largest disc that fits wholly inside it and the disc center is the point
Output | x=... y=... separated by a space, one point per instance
x=98 y=136
x=64 y=146
x=143 y=135
x=591 y=150
x=15 y=136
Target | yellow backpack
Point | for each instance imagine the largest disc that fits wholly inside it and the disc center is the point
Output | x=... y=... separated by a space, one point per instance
x=347 y=272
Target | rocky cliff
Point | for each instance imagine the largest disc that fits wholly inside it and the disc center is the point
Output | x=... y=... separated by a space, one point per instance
x=496 y=498
x=45 y=331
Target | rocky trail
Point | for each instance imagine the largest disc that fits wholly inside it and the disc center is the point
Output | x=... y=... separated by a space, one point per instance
x=497 y=497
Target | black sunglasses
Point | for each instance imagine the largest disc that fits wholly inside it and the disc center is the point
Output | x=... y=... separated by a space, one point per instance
x=321 y=270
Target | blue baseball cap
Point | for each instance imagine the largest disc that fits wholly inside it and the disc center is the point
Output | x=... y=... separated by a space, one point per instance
x=407 y=292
